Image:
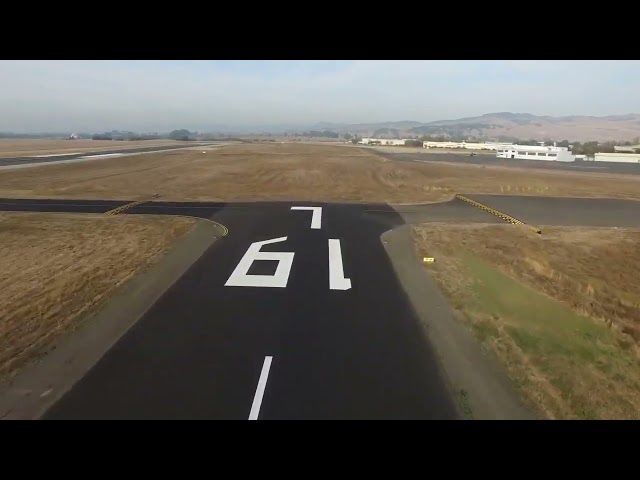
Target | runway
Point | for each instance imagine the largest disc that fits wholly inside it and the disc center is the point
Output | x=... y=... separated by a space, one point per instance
x=343 y=340
x=31 y=160
x=295 y=314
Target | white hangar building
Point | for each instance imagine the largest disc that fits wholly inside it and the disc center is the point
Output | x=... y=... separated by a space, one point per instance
x=536 y=152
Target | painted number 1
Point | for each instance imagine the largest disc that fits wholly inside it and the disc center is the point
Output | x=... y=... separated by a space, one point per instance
x=337 y=281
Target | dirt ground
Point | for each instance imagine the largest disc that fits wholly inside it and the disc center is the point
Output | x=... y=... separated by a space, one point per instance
x=61 y=266
x=293 y=171
x=561 y=310
x=19 y=147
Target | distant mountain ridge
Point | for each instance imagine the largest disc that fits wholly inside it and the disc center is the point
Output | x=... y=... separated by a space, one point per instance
x=506 y=126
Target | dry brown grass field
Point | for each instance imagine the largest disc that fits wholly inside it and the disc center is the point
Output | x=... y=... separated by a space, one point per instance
x=561 y=310
x=295 y=171
x=60 y=266
x=18 y=147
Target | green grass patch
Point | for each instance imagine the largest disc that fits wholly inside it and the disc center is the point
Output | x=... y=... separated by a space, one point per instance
x=577 y=359
x=463 y=404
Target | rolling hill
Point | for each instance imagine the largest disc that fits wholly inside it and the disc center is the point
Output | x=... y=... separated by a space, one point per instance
x=524 y=126
x=508 y=126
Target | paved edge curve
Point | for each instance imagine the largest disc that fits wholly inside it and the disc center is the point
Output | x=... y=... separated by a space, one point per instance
x=481 y=388
x=39 y=385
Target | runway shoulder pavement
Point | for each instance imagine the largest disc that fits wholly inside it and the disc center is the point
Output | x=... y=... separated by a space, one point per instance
x=478 y=382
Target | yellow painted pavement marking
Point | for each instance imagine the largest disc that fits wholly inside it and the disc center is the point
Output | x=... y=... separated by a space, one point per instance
x=497 y=213
x=127 y=206
x=225 y=229
x=122 y=208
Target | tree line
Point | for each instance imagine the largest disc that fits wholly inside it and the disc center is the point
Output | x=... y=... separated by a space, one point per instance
x=111 y=136
x=182 y=134
x=318 y=134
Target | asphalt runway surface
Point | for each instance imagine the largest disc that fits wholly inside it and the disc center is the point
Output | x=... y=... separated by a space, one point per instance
x=30 y=160
x=198 y=353
x=327 y=334
x=490 y=159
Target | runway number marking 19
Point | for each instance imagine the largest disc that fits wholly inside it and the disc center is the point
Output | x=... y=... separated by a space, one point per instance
x=316 y=218
x=240 y=278
x=336 y=270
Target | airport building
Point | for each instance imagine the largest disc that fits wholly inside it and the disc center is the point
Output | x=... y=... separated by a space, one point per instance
x=383 y=141
x=466 y=145
x=626 y=148
x=536 y=152
x=617 y=157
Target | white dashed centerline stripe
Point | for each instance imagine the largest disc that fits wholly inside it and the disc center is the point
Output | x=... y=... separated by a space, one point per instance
x=262 y=383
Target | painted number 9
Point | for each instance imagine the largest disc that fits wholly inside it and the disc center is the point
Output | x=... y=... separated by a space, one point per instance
x=240 y=278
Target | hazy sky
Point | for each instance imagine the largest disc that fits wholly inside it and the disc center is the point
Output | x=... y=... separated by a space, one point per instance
x=57 y=95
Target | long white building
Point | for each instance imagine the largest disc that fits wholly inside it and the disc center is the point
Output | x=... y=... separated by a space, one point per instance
x=383 y=141
x=466 y=145
x=536 y=152
x=626 y=148
x=617 y=157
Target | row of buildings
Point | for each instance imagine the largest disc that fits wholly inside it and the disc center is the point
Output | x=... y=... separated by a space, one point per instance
x=510 y=150
x=522 y=152
x=448 y=145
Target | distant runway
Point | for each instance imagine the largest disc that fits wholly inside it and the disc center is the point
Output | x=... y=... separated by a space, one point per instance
x=57 y=157
x=491 y=160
